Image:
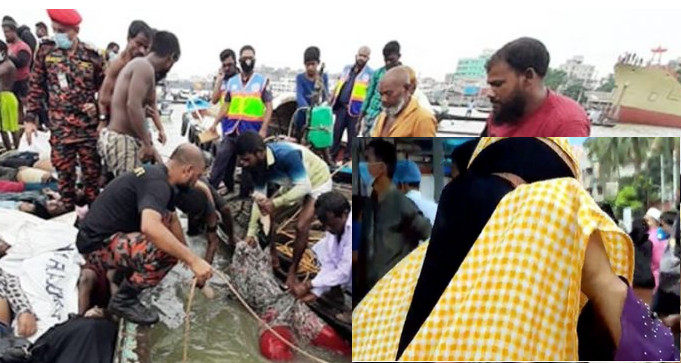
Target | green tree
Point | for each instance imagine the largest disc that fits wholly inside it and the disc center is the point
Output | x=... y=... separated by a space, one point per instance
x=628 y=197
x=643 y=153
x=613 y=153
x=647 y=191
x=618 y=152
x=609 y=84
x=606 y=154
x=574 y=91
x=636 y=148
x=555 y=78
x=678 y=74
x=665 y=146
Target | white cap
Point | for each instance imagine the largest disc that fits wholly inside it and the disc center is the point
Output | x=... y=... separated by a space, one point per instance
x=654 y=213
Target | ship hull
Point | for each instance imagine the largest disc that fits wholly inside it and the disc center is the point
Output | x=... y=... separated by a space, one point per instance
x=646 y=95
x=633 y=115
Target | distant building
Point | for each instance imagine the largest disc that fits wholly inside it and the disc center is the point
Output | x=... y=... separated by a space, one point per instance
x=427 y=82
x=472 y=68
x=591 y=177
x=577 y=70
x=675 y=63
x=589 y=173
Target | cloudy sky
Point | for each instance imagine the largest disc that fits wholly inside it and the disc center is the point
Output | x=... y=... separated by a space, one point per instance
x=433 y=33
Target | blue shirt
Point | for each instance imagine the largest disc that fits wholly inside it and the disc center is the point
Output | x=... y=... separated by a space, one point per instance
x=293 y=165
x=346 y=91
x=289 y=165
x=305 y=87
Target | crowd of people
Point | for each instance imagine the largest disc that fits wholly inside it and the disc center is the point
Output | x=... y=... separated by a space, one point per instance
x=519 y=262
x=126 y=196
x=387 y=102
x=656 y=275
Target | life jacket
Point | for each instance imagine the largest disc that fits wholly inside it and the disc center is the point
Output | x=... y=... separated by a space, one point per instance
x=359 y=88
x=246 y=108
x=13 y=49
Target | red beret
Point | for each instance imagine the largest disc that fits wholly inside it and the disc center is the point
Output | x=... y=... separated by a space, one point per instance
x=67 y=17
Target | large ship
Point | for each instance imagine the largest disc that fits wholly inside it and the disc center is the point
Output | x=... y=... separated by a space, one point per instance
x=646 y=94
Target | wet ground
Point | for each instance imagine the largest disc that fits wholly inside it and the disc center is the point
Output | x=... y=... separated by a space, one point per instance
x=221 y=329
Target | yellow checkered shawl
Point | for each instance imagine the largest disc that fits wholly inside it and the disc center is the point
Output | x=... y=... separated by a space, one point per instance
x=517 y=293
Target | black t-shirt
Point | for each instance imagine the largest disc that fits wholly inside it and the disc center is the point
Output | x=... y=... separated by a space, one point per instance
x=119 y=207
x=195 y=203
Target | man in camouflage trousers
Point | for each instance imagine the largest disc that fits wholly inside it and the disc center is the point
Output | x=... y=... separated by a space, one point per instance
x=68 y=73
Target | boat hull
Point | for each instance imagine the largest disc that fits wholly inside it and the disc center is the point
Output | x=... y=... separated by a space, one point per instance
x=633 y=115
x=646 y=95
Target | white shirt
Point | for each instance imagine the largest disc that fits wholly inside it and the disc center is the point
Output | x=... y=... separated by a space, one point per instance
x=426 y=206
x=335 y=258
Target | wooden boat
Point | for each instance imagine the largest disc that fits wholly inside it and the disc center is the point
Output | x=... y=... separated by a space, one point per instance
x=282 y=233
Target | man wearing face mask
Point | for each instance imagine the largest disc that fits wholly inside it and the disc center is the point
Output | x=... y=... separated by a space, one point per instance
x=133 y=226
x=402 y=116
x=111 y=52
x=9 y=105
x=522 y=105
x=128 y=142
x=247 y=107
x=349 y=97
x=67 y=74
x=371 y=107
x=393 y=225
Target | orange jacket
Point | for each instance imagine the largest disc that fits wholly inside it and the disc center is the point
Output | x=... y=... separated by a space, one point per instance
x=413 y=121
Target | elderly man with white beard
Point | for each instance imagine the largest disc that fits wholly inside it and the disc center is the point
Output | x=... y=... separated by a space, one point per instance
x=402 y=116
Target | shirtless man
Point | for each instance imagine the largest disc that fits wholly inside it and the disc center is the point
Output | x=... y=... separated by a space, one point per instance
x=139 y=40
x=128 y=142
x=9 y=106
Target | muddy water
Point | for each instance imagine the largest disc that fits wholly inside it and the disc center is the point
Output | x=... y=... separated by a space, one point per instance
x=221 y=329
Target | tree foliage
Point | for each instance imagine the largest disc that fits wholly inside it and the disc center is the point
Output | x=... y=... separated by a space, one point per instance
x=555 y=78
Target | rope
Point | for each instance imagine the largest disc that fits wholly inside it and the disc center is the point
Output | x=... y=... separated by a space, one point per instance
x=283 y=225
x=307 y=262
x=245 y=304
x=341 y=167
x=186 y=320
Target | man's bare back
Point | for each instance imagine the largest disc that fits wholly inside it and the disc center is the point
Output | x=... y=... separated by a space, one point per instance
x=135 y=82
x=7 y=72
